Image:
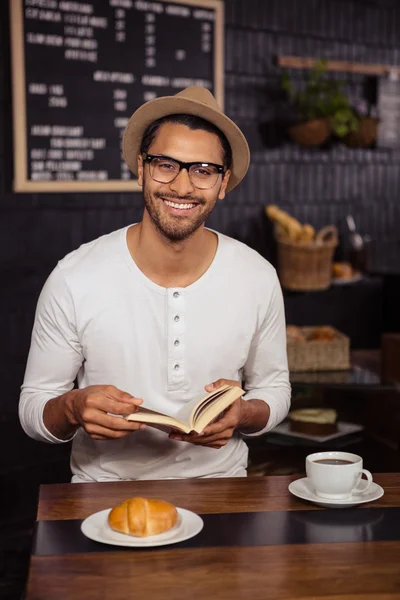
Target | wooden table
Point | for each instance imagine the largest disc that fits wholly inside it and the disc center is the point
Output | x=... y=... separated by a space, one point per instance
x=347 y=554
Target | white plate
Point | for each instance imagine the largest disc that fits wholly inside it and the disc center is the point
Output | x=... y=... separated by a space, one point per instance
x=303 y=489
x=343 y=429
x=340 y=281
x=96 y=528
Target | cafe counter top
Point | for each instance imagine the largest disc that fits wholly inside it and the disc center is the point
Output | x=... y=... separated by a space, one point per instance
x=258 y=542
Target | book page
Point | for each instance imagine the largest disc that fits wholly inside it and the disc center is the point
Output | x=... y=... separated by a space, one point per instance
x=214 y=409
x=187 y=412
x=186 y=416
x=145 y=415
x=207 y=401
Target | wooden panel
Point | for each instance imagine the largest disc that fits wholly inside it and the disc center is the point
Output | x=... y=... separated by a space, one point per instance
x=77 y=501
x=324 y=571
x=353 y=571
x=340 y=66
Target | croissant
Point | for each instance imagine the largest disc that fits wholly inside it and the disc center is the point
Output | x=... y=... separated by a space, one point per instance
x=142 y=517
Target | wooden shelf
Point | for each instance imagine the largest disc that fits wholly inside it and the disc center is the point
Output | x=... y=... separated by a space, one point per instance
x=340 y=66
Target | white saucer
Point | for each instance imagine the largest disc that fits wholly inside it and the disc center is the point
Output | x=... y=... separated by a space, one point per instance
x=302 y=489
x=96 y=528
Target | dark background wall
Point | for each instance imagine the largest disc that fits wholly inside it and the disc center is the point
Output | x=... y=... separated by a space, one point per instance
x=316 y=186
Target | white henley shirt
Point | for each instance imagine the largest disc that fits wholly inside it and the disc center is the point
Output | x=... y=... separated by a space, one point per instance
x=100 y=320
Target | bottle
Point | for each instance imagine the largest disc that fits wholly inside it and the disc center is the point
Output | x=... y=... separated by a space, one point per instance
x=357 y=251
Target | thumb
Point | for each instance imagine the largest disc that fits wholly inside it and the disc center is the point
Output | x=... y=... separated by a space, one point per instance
x=132 y=400
x=219 y=383
x=216 y=384
x=129 y=399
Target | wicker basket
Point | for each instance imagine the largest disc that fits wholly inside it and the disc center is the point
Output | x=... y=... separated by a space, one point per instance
x=332 y=355
x=307 y=266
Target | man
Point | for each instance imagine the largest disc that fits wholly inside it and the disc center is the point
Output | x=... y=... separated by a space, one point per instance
x=158 y=311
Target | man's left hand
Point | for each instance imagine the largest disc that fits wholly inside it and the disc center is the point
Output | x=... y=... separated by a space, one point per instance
x=218 y=433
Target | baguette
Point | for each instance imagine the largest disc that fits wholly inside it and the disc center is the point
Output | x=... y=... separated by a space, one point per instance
x=291 y=226
x=307 y=234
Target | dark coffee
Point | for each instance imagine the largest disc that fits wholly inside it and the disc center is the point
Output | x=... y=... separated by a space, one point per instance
x=334 y=461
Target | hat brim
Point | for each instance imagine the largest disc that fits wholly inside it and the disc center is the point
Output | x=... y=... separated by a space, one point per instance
x=170 y=105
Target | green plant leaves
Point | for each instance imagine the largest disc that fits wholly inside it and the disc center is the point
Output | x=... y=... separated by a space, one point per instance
x=321 y=98
x=287 y=84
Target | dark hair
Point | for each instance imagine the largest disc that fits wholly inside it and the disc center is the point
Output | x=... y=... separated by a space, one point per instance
x=192 y=122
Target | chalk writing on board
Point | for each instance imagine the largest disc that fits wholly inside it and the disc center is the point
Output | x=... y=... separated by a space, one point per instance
x=389 y=113
x=102 y=61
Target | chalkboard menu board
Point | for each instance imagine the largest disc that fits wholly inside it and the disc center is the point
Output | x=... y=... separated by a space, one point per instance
x=389 y=112
x=82 y=67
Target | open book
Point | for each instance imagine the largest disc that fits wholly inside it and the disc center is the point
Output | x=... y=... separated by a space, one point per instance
x=195 y=415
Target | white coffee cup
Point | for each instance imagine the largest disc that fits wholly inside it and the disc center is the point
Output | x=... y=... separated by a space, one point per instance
x=337 y=475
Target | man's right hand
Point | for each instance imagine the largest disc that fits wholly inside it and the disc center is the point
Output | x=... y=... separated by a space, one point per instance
x=89 y=408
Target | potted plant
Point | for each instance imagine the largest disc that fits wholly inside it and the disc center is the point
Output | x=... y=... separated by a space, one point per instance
x=320 y=109
x=367 y=131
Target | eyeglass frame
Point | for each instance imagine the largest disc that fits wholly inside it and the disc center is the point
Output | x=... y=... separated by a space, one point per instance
x=147 y=158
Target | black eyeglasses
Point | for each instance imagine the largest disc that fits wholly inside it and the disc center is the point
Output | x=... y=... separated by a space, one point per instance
x=203 y=175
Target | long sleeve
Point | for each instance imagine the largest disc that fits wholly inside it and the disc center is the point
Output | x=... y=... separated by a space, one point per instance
x=266 y=373
x=55 y=356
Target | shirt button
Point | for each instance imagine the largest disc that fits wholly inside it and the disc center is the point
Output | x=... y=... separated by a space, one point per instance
x=176 y=343
x=176 y=294
x=176 y=367
x=176 y=318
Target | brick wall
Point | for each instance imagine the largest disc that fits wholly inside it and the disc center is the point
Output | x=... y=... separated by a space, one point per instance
x=316 y=186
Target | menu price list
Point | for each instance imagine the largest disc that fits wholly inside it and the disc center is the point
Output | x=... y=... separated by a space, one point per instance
x=389 y=112
x=89 y=65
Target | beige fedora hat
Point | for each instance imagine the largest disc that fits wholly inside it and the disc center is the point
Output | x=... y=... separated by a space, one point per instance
x=194 y=100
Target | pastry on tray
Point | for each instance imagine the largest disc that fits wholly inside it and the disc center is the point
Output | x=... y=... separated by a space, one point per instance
x=343 y=270
x=322 y=334
x=294 y=334
x=313 y=421
x=325 y=333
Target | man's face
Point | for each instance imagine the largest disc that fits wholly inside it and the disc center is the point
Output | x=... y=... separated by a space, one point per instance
x=180 y=142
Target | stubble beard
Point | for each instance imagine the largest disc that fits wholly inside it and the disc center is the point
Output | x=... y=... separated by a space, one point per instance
x=175 y=228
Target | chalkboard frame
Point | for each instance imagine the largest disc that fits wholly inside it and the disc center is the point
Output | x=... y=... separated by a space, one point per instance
x=21 y=183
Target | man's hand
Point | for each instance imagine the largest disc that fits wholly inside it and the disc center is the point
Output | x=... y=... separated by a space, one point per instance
x=218 y=433
x=89 y=407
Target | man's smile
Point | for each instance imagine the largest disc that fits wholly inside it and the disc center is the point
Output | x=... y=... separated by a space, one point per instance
x=179 y=205
x=182 y=208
